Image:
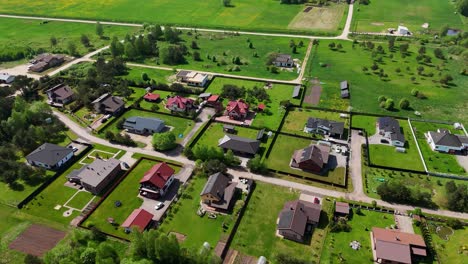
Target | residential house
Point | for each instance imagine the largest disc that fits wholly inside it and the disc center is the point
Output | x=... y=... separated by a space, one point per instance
x=143 y=125
x=444 y=141
x=394 y=246
x=283 y=60
x=312 y=158
x=344 y=86
x=157 y=181
x=6 y=78
x=60 y=94
x=239 y=144
x=237 y=109
x=390 y=129
x=192 y=78
x=45 y=61
x=98 y=175
x=140 y=219
x=295 y=217
x=180 y=104
x=213 y=101
x=341 y=209
x=218 y=192
x=108 y=104
x=151 y=97
x=49 y=156
x=324 y=127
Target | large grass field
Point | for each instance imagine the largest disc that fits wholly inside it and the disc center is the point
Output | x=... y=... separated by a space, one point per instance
x=184 y=219
x=386 y=155
x=380 y=15
x=297 y=119
x=242 y=14
x=36 y=35
x=441 y=103
x=256 y=235
x=437 y=161
x=337 y=244
x=159 y=76
x=280 y=158
x=271 y=118
x=127 y=193
x=452 y=250
x=366 y=123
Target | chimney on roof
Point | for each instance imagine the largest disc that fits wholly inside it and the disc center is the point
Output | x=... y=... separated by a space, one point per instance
x=397 y=238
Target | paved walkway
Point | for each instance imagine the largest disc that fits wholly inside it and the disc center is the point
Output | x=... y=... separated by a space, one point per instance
x=203 y=117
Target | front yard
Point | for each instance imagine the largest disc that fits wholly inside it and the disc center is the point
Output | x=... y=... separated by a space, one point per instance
x=297 y=119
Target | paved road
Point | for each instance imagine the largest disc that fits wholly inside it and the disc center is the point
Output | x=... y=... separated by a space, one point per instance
x=356 y=168
x=203 y=117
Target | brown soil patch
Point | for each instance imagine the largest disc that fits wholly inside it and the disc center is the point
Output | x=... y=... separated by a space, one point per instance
x=37 y=239
x=180 y=237
x=313 y=98
x=219 y=248
x=308 y=9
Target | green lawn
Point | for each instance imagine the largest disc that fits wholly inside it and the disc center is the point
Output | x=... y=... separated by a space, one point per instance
x=87 y=116
x=271 y=118
x=280 y=158
x=380 y=15
x=261 y=15
x=441 y=103
x=184 y=219
x=297 y=119
x=137 y=94
x=256 y=233
x=159 y=76
x=436 y=161
x=337 y=244
x=180 y=126
x=453 y=250
x=161 y=104
x=385 y=155
x=80 y=200
x=130 y=201
x=36 y=35
x=367 y=123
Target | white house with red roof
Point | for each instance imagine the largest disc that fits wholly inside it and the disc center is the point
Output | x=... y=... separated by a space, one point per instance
x=179 y=104
x=139 y=218
x=237 y=109
x=157 y=181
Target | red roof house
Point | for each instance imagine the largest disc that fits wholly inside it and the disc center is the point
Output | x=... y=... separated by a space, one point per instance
x=179 y=104
x=212 y=99
x=139 y=218
x=151 y=97
x=261 y=107
x=157 y=180
x=237 y=109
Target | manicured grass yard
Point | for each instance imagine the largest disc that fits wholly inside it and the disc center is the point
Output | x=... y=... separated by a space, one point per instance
x=453 y=250
x=436 y=161
x=86 y=115
x=159 y=76
x=280 y=158
x=386 y=155
x=297 y=119
x=126 y=192
x=160 y=104
x=137 y=94
x=184 y=219
x=181 y=126
x=80 y=200
x=270 y=118
x=367 y=123
x=337 y=244
x=380 y=15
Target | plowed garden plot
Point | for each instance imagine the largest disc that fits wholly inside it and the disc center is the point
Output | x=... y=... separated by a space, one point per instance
x=37 y=240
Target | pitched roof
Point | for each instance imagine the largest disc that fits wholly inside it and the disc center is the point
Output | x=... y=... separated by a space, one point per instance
x=345 y=93
x=61 y=91
x=96 y=172
x=318 y=154
x=158 y=175
x=283 y=58
x=239 y=106
x=240 y=144
x=341 y=207
x=6 y=77
x=390 y=124
x=344 y=85
x=213 y=98
x=296 y=91
x=49 y=154
x=296 y=214
x=151 y=96
x=142 y=123
x=139 y=218
x=447 y=139
x=111 y=103
x=335 y=127
x=180 y=102
x=261 y=106
x=204 y=95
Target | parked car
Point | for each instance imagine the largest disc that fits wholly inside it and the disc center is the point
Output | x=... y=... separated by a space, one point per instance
x=159 y=206
x=384 y=141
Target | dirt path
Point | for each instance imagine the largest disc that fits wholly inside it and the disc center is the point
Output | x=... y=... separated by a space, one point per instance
x=313 y=98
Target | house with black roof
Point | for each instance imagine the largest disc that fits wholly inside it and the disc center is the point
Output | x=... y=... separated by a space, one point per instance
x=49 y=156
x=284 y=60
x=60 y=94
x=324 y=127
x=444 y=141
x=218 y=192
x=239 y=144
x=143 y=125
x=390 y=129
x=108 y=104
x=312 y=158
x=295 y=217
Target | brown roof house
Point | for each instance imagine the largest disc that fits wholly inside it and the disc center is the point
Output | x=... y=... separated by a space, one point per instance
x=218 y=192
x=237 y=110
x=45 y=61
x=312 y=158
x=60 y=94
x=295 y=217
x=341 y=209
x=96 y=176
x=108 y=104
x=49 y=156
x=394 y=246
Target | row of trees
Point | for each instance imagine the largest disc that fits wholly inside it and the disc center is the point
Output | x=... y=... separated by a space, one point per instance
x=399 y=193
x=457 y=196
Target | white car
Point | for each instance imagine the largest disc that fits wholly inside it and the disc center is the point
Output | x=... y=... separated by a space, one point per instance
x=159 y=206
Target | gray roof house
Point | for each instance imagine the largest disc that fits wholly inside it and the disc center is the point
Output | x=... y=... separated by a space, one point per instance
x=325 y=127
x=6 y=78
x=96 y=176
x=444 y=141
x=218 y=191
x=143 y=125
x=60 y=94
x=108 y=104
x=389 y=128
x=295 y=217
x=49 y=156
x=239 y=144
x=283 y=60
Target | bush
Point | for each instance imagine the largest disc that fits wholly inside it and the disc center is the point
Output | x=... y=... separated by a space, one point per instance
x=256 y=165
x=164 y=141
x=389 y=104
x=404 y=104
x=382 y=98
x=454 y=223
x=414 y=92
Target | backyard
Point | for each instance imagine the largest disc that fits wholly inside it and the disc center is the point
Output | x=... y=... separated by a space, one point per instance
x=183 y=219
x=160 y=76
x=297 y=119
x=126 y=192
x=452 y=250
x=337 y=244
x=280 y=158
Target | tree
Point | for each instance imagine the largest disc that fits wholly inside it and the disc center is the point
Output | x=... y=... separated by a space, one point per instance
x=446 y=79
x=251 y=46
x=438 y=53
x=31 y=259
x=398 y=70
x=404 y=48
x=164 y=141
x=53 y=41
x=332 y=45
x=414 y=92
x=339 y=46
x=391 y=43
x=72 y=48
x=454 y=223
x=282 y=258
x=99 y=29
x=173 y=54
x=364 y=69
x=381 y=98
x=106 y=254
x=230 y=159
x=84 y=40
x=116 y=47
x=257 y=165
x=389 y=104
x=88 y=256
x=462 y=6
x=422 y=50
x=364 y=2
x=443 y=30
x=404 y=104
x=233 y=92
x=130 y=51
x=194 y=45
x=144 y=77
x=294 y=50
x=196 y=56
x=457 y=196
